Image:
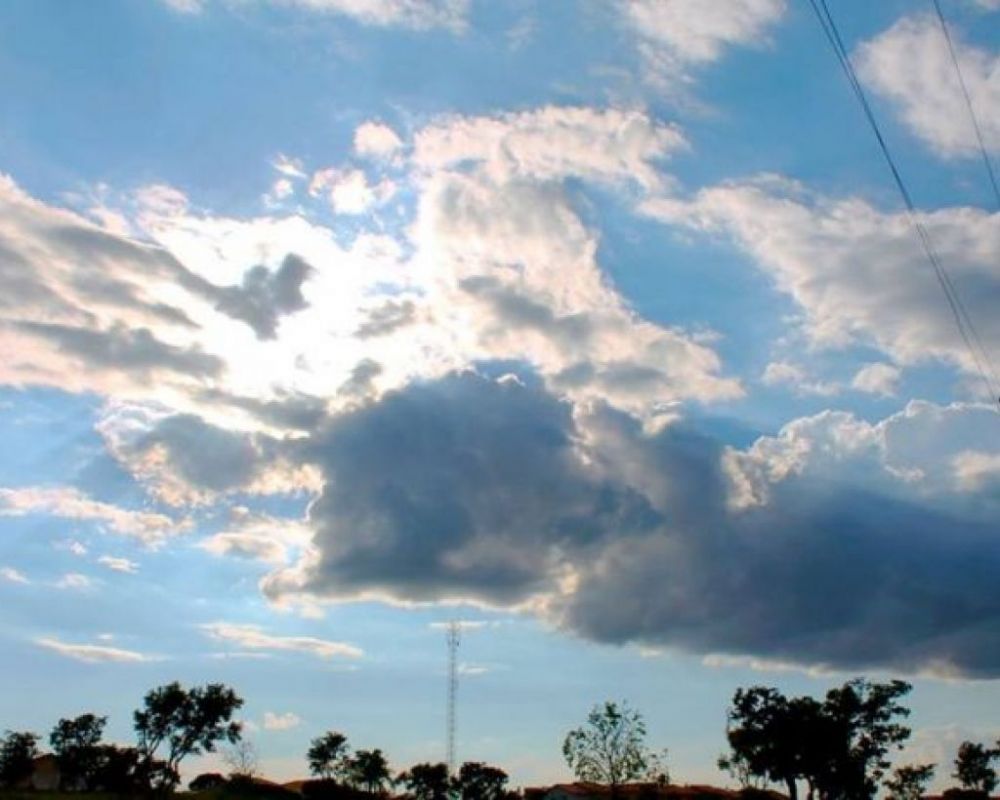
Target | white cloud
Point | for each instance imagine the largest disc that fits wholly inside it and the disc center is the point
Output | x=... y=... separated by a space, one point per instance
x=74 y=581
x=92 y=653
x=281 y=190
x=119 y=564
x=289 y=167
x=974 y=469
x=185 y=6
x=515 y=275
x=69 y=503
x=415 y=14
x=376 y=140
x=280 y=722
x=779 y=373
x=925 y=451
x=676 y=34
x=12 y=575
x=258 y=537
x=878 y=378
x=909 y=64
x=252 y=637
x=551 y=143
x=349 y=191
x=858 y=274
x=78 y=549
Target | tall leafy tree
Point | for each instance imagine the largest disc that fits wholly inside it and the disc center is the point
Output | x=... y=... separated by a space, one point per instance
x=369 y=769
x=838 y=747
x=426 y=782
x=186 y=722
x=862 y=726
x=18 y=750
x=974 y=767
x=909 y=782
x=77 y=746
x=328 y=755
x=769 y=736
x=478 y=781
x=610 y=747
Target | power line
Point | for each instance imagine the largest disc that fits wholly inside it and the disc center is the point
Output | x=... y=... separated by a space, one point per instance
x=968 y=103
x=963 y=321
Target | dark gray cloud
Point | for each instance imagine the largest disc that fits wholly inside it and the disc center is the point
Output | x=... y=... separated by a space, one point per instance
x=184 y=459
x=360 y=384
x=387 y=318
x=292 y=410
x=137 y=351
x=514 y=309
x=265 y=296
x=494 y=491
x=460 y=487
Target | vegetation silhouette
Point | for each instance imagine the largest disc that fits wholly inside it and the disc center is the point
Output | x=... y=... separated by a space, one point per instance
x=610 y=748
x=839 y=747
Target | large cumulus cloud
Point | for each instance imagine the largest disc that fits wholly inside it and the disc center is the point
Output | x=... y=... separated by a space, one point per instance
x=463 y=488
x=859 y=554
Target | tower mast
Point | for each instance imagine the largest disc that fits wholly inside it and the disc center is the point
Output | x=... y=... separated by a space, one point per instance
x=453 y=638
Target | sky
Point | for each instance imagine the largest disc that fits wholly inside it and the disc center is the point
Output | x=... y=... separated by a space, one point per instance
x=596 y=325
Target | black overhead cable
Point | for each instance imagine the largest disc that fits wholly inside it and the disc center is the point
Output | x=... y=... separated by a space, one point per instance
x=961 y=316
x=968 y=103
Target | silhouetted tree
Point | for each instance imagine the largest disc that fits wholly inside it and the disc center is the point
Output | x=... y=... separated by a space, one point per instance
x=18 y=750
x=478 y=781
x=118 y=770
x=426 y=781
x=76 y=744
x=838 y=747
x=769 y=736
x=188 y=721
x=328 y=755
x=909 y=783
x=369 y=770
x=206 y=781
x=974 y=767
x=609 y=748
x=860 y=723
x=242 y=759
x=738 y=767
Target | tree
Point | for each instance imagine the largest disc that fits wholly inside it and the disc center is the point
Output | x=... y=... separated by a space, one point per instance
x=118 y=770
x=738 y=766
x=426 y=781
x=327 y=755
x=839 y=747
x=768 y=736
x=610 y=748
x=206 y=781
x=909 y=783
x=18 y=750
x=974 y=767
x=188 y=722
x=478 y=781
x=369 y=769
x=860 y=720
x=242 y=759
x=76 y=744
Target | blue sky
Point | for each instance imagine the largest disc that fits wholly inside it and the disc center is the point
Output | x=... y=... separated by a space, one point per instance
x=597 y=325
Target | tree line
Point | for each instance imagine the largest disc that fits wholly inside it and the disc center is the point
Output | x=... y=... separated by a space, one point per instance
x=836 y=748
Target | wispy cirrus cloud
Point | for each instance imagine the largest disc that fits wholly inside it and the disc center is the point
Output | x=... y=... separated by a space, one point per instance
x=92 y=653
x=69 y=503
x=12 y=575
x=253 y=637
x=414 y=14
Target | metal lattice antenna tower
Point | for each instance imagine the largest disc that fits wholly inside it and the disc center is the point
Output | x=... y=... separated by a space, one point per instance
x=453 y=639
